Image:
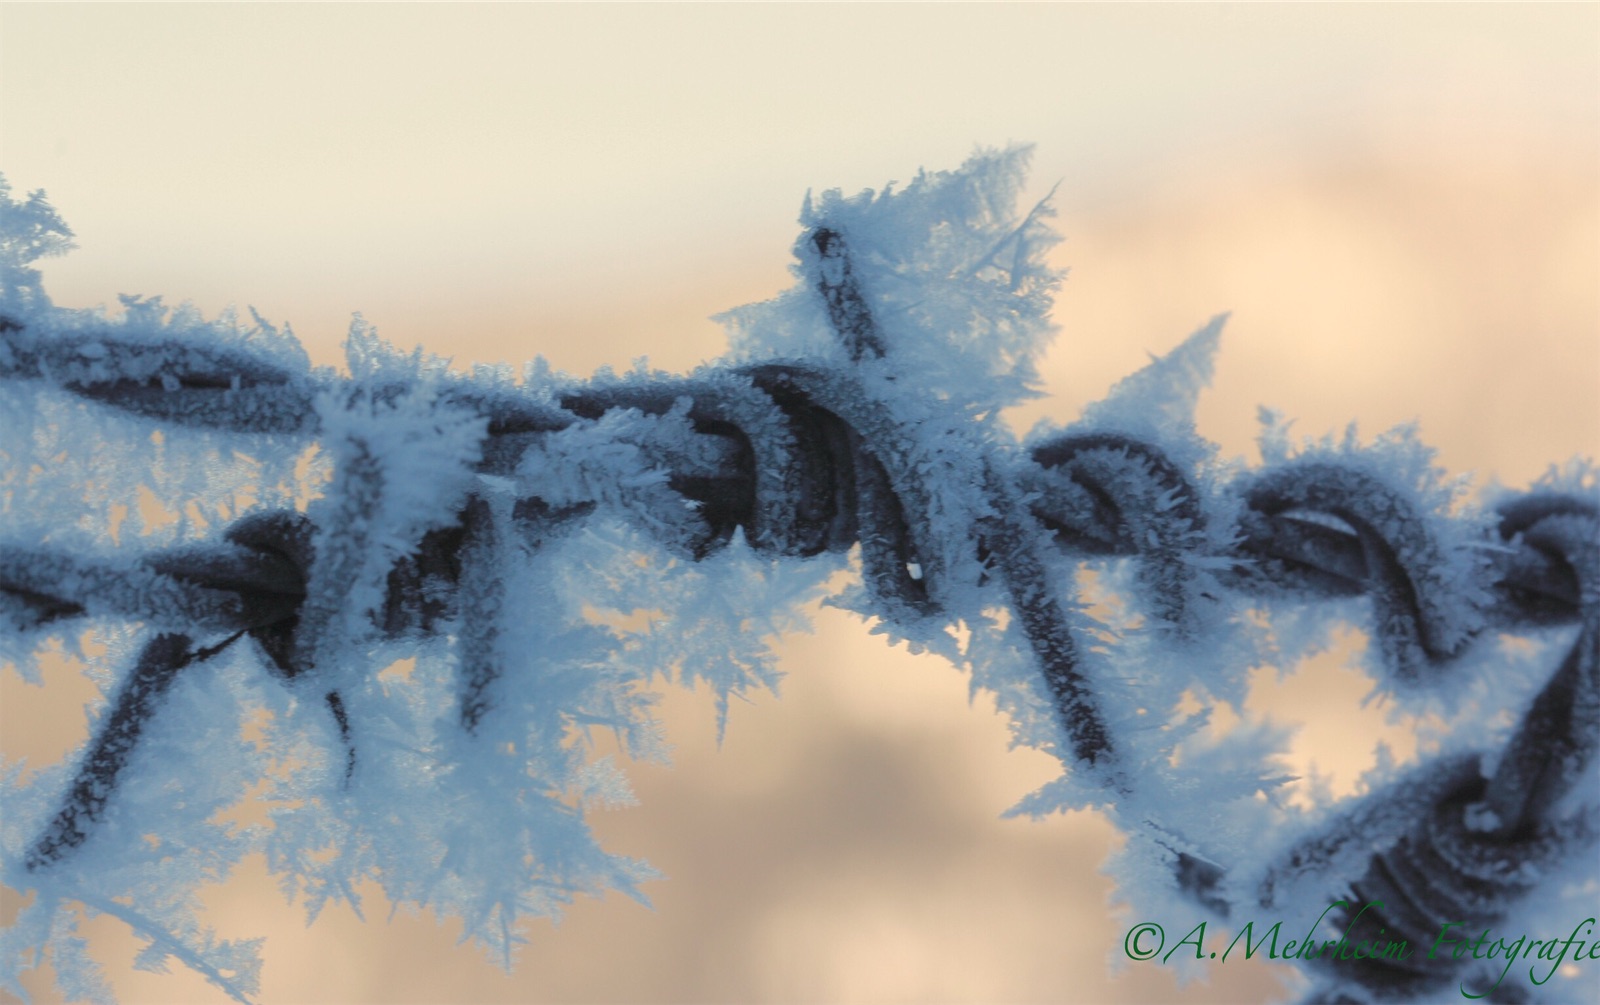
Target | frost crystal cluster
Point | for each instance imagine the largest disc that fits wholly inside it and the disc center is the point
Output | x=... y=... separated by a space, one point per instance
x=395 y=602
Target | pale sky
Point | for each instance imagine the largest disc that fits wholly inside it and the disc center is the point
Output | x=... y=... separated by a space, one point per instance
x=1400 y=204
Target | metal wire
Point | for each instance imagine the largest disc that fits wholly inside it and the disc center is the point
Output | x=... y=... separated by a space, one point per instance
x=806 y=463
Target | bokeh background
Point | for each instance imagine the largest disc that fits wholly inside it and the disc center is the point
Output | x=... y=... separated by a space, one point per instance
x=1400 y=204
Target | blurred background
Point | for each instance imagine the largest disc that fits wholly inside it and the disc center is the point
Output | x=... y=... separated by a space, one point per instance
x=1400 y=204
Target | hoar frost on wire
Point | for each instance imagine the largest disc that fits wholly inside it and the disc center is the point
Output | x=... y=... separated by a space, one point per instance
x=494 y=569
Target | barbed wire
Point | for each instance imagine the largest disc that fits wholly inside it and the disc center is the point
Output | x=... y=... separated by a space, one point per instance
x=800 y=461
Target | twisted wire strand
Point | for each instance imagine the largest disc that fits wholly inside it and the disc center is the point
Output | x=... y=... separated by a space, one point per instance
x=1137 y=503
x=806 y=462
x=1402 y=565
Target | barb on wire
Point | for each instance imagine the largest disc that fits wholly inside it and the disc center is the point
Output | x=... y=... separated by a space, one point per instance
x=1457 y=846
